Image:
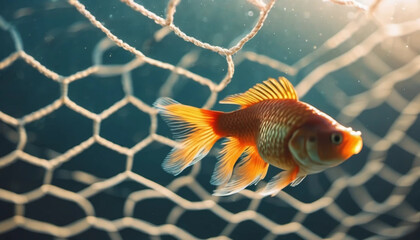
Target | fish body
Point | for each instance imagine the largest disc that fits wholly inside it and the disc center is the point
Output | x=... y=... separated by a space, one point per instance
x=268 y=125
x=272 y=127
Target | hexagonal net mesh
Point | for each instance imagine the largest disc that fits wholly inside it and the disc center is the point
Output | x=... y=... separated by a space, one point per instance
x=81 y=144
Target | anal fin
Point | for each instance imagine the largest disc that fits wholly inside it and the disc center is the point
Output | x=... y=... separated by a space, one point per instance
x=280 y=181
x=230 y=153
x=297 y=181
x=251 y=169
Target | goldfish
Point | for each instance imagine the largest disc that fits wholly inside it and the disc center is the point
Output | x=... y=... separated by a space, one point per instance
x=271 y=127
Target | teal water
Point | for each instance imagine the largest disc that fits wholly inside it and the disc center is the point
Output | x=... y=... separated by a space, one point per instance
x=60 y=38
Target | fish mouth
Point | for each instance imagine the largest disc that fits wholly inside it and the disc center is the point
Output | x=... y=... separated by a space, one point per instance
x=356 y=141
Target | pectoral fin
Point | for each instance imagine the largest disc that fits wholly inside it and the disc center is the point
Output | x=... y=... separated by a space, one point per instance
x=230 y=153
x=250 y=169
x=280 y=181
x=297 y=181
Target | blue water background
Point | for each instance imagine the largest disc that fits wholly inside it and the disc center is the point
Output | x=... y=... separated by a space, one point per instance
x=59 y=37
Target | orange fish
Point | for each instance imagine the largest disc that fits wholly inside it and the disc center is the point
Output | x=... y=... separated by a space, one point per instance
x=272 y=127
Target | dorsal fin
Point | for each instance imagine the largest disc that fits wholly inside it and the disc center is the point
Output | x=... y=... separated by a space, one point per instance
x=269 y=89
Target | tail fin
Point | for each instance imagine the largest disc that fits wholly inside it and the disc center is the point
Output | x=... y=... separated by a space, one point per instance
x=193 y=128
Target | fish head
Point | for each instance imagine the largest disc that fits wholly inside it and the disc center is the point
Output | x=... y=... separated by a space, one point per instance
x=324 y=143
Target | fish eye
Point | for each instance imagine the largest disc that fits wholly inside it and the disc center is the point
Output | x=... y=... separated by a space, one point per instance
x=336 y=138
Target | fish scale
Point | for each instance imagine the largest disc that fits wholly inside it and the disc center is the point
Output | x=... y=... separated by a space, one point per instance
x=279 y=119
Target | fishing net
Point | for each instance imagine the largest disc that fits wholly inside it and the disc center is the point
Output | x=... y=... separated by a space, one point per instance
x=81 y=145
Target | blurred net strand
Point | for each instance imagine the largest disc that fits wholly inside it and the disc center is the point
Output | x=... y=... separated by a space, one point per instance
x=357 y=52
x=375 y=166
x=333 y=42
x=352 y=3
x=382 y=89
x=395 y=136
x=80 y=198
